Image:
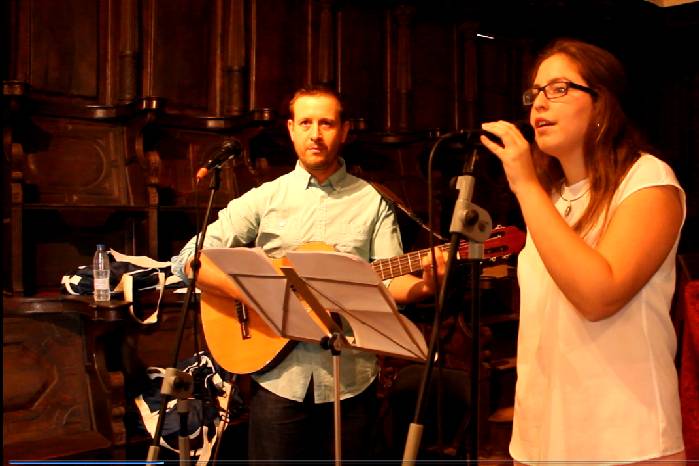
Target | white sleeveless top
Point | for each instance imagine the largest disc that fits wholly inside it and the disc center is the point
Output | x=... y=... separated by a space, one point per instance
x=605 y=391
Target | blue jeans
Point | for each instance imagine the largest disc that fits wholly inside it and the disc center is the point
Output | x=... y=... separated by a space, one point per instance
x=280 y=429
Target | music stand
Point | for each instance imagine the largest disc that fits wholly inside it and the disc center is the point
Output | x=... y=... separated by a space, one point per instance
x=327 y=282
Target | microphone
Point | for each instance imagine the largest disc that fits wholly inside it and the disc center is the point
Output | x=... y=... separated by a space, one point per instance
x=522 y=125
x=472 y=136
x=229 y=149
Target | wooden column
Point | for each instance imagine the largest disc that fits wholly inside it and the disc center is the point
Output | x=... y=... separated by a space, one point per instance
x=234 y=66
x=404 y=17
x=128 y=50
x=326 y=40
x=469 y=85
x=14 y=94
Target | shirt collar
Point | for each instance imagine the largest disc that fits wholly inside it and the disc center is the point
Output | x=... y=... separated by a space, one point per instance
x=306 y=180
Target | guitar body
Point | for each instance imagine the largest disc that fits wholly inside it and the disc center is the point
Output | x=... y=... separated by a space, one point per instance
x=244 y=343
x=260 y=349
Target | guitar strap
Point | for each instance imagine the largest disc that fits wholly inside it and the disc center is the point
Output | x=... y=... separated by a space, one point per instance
x=392 y=198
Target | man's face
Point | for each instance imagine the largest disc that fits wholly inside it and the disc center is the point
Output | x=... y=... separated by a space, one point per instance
x=317 y=134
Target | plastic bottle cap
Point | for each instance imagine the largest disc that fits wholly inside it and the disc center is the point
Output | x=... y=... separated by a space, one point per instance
x=101 y=246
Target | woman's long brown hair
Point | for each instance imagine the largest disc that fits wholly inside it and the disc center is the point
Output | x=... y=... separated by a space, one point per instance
x=611 y=143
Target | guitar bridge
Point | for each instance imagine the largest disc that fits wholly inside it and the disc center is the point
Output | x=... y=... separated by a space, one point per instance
x=242 y=313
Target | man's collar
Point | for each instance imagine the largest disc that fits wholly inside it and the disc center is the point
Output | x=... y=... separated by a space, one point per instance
x=306 y=179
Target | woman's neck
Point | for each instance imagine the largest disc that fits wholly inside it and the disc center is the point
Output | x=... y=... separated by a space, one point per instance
x=573 y=168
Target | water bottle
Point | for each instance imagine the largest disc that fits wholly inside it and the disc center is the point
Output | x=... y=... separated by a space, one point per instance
x=100 y=274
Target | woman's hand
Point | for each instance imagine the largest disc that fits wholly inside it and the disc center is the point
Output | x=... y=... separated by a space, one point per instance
x=515 y=153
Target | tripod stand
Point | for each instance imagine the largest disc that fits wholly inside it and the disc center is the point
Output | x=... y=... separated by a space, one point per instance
x=178 y=384
x=474 y=223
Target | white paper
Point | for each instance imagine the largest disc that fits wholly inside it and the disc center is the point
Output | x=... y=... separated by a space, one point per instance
x=141 y=261
x=341 y=282
x=264 y=288
x=349 y=285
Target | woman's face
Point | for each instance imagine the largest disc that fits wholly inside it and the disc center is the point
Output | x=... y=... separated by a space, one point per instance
x=560 y=123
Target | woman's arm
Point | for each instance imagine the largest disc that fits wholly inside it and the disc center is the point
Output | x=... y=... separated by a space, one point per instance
x=597 y=281
x=600 y=281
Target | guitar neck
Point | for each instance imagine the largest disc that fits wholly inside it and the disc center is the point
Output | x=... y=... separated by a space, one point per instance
x=402 y=265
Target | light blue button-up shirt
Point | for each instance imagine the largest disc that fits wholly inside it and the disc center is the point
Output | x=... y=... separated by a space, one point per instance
x=345 y=212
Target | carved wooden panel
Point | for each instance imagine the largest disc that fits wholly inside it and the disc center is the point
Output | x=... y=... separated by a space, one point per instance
x=59 y=397
x=45 y=387
x=80 y=162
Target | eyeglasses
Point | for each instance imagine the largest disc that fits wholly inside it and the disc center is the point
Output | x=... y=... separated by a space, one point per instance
x=554 y=90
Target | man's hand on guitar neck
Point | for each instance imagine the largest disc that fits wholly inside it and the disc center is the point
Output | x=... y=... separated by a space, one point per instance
x=409 y=288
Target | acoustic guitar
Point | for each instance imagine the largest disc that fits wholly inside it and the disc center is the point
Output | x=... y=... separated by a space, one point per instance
x=242 y=343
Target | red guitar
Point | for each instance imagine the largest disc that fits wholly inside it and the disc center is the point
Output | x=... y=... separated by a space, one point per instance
x=241 y=342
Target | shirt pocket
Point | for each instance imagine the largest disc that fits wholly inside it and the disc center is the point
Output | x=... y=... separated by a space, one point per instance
x=355 y=238
x=277 y=233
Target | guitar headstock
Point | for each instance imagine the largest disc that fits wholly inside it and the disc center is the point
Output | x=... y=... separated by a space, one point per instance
x=502 y=243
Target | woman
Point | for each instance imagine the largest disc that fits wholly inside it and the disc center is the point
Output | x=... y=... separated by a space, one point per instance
x=595 y=359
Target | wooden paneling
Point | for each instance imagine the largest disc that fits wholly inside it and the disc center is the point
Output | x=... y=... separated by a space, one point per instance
x=120 y=102
x=433 y=69
x=183 y=152
x=361 y=71
x=278 y=52
x=80 y=162
x=68 y=52
x=184 y=77
x=65 y=52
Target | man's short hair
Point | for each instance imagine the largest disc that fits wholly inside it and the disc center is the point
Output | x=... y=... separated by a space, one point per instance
x=313 y=90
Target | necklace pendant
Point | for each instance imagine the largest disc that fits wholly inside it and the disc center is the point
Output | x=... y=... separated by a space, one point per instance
x=567 y=211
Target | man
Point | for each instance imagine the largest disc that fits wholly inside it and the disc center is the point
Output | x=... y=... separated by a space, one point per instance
x=291 y=404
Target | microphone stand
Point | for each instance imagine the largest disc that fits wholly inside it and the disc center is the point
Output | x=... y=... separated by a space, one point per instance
x=179 y=384
x=474 y=223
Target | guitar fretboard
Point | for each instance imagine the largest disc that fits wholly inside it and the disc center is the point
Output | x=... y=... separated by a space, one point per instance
x=401 y=265
x=503 y=242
